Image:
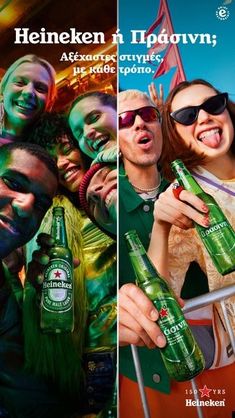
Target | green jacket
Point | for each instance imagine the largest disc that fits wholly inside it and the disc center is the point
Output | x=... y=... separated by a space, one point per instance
x=135 y=213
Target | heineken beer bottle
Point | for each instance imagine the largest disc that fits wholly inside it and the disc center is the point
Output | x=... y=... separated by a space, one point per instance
x=57 y=313
x=219 y=237
x=181 y=355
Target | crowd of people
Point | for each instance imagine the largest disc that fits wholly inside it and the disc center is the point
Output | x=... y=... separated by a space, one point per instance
x=45 y=158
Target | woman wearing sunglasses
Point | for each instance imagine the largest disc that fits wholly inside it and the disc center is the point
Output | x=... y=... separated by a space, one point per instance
x=198 y=127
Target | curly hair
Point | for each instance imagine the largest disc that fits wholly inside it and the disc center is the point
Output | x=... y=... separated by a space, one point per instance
x=49 y=129
x=173 y=145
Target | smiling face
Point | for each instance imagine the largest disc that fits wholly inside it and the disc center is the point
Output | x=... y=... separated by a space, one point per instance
x=102 y=198
x=25 y=96
x=211 y=135
x=26 y=192
x=141 y=143
x=93 y=125
x=70 y=165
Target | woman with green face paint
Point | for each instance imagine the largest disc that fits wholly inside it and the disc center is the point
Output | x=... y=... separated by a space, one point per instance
x=27 y=90
x=93 y=121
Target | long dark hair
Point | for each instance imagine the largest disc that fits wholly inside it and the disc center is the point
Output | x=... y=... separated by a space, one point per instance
x=173 y=145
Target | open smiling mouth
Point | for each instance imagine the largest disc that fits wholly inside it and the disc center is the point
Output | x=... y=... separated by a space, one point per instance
x=144 y=140
x=109 y=197
x=69 y=173
x=100 y=142
x=25 y=107
x=211 y=138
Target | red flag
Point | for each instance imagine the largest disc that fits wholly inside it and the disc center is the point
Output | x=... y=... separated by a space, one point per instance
x=160 y=15
x=168 y=62
x=157 y=47
x=177 y=78
x=172 y=56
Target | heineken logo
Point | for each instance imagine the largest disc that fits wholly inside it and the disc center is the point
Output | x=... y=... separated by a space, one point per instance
x=205 y=391
x=57 y=285
x=163 y=312
x=57 y=289
x=213 y=228
x=212 y=397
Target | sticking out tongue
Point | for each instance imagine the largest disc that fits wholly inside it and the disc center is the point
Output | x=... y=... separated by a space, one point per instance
x=212 y=140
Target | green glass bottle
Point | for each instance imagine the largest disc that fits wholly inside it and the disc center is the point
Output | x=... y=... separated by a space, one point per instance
x=57 y=313
x=219 y=237
x=181 y=355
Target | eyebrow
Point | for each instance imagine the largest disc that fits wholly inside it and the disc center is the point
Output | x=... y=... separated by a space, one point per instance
x=25 y=78
x=26 y=181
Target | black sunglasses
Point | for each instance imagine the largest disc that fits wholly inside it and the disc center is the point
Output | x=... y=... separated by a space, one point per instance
x=215 y=105
x=147 y=113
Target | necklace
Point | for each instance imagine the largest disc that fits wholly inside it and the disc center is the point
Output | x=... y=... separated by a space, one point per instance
x=153 y=189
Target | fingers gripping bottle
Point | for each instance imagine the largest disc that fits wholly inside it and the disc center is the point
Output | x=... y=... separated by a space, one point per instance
x=219 y=237
x=57 y=312
x=181 y=355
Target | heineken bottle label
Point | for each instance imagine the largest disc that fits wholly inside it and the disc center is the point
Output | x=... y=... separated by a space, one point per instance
x=219 y=237
x=57 y=288
x=176 y=330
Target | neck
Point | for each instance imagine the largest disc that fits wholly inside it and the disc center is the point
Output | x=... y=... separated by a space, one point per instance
x=11 y=130
x=145 y=177
x=223 y=167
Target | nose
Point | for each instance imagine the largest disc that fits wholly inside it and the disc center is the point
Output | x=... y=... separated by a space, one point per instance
x=23 y=204
x=89 y=132
x=203 y=116
x=61 y=162
x=28 y=89
x=139 y=122
x=94 y=193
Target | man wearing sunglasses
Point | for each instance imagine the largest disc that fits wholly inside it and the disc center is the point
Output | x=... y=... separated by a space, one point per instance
x=140 y=183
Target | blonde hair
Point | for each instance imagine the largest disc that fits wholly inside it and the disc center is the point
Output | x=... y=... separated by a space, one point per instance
x=134 y=94
x=34 y=59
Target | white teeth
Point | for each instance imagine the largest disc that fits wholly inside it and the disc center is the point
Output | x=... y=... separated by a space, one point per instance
x=69 y=172
x=109 y=197
x=25 y=106
x=208 y=133
x=100 y=141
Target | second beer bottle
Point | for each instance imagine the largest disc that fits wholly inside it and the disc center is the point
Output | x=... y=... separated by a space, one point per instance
x=181 y=355
x=57 y=313
x=219 y=237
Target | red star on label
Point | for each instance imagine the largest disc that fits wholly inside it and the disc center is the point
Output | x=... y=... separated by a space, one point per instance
x=205 y=391
x=163 y=312
x=57 y=274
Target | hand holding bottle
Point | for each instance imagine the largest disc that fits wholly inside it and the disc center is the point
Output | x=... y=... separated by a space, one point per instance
x=137 y=316
x=180 y=212
x=40 y=259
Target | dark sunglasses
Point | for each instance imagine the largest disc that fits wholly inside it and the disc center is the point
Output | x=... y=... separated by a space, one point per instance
x=147 y=113
x=215 y=105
